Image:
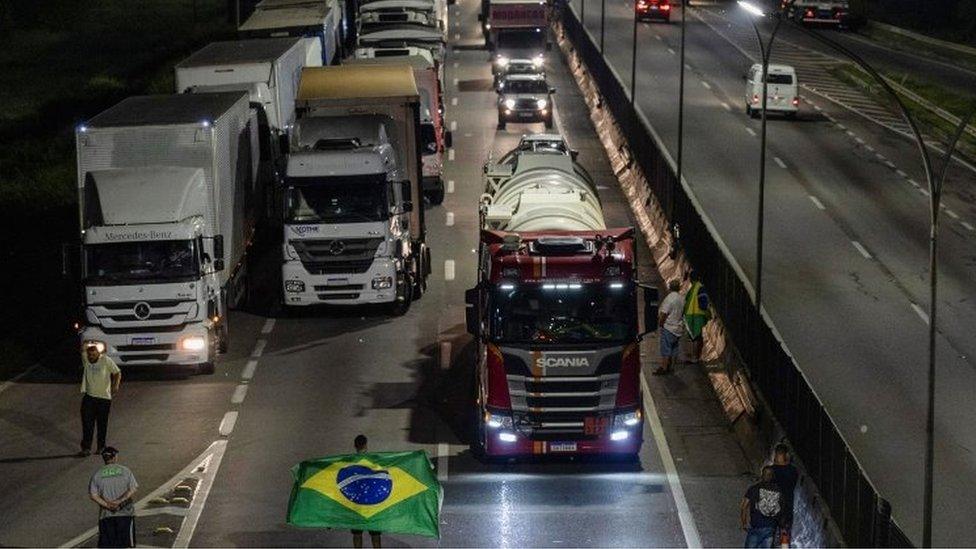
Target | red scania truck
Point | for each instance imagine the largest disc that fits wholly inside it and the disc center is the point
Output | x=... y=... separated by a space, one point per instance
x=554 y=312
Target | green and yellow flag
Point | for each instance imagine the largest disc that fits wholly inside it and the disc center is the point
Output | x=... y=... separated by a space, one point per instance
x=380 y=491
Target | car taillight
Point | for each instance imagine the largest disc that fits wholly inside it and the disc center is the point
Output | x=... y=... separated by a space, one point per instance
x=498 y=395
x=809 y=13
x=755 y=98
x=665 y=7
x=796 y=101
x=628 y=388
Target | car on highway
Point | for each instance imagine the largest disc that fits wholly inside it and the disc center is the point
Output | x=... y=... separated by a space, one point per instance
x=524 y=98
x=653 y=9
x=782 y=92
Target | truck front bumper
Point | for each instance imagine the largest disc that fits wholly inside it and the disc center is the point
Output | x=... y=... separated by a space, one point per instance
x=156 y=348
x=525 y=446
x=302 y=289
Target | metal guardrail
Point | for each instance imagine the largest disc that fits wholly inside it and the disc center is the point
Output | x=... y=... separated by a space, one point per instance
x=861 y=514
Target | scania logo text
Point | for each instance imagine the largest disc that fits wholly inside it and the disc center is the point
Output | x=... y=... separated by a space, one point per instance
x=562 y=362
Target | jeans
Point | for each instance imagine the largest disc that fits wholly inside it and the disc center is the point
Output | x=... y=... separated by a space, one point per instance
x=760 y=537
x=94 y=411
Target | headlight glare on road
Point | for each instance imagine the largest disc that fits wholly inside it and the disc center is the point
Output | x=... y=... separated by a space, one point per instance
x=193 y=343
x=541 y=104
x=98 y=345
x=294 y=286
x=510 y=103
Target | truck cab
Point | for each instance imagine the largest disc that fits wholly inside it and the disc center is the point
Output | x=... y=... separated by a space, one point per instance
x=516 y=29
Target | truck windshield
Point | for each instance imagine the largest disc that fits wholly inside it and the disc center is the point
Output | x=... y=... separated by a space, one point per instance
x=338 y=199
x=521 y=40
x=563 y=313
x=525 y=86
x=141 y=262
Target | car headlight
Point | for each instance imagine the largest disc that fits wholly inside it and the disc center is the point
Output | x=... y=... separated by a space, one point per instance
x=193 y=343
x=382 y=282
x=98 y=345
x=510 y=103
x=294 y=286
x=496 y=421
x=629 y=419
x=541 y=104
x=502 y=61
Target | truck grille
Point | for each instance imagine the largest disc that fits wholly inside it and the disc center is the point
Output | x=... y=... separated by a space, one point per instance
x=336 y=255
x=526 y=104
x=143 y=316
x=548 y=408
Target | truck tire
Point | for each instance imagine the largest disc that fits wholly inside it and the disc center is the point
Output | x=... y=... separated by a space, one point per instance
x=501 y=123
x=548 y=123
x=404 y=295
x=423 y=269
x=436 y=197
x=206 y=369
x=223 y=337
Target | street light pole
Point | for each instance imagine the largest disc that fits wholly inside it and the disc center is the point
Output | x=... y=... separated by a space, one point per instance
x=681 y=130
x=603 y=18
x=633 y=60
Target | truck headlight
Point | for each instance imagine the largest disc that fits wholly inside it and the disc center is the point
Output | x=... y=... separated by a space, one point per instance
x=382 y=249
x=502 y=61
x=382 y=282
x=290 y=252
x=98 y=345
x=496 y=421
x=193 y=343
x=537 y=61
x=619 y=435
x=541 y=104
x=294 y=286
x=629 y=419
x=510 y=103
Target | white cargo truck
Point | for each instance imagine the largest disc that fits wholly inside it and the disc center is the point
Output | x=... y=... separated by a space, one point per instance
x=404 y=35
x=354 y=222
x=436 y=7
x=165 y=193
x=319 y=22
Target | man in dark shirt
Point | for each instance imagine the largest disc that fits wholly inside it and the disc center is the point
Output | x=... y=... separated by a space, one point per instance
x=761 y=511
x=787 y=476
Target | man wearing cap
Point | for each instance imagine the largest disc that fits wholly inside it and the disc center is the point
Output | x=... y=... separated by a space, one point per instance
x=112 y=488
x=99 y=381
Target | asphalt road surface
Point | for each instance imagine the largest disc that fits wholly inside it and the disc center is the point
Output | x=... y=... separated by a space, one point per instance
x=299 y=387
x=845 y=276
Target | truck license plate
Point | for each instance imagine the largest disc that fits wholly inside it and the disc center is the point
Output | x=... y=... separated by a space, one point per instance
x=562 y=446
x=143 y=340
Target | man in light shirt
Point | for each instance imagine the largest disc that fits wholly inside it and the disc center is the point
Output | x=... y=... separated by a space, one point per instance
x=100 y=380
x=671 y=319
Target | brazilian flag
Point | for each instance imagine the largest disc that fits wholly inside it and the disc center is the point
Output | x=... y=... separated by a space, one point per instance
x=381 y=491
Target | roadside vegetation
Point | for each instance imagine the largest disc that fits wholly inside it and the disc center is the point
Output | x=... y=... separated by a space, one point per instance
x=952 y=20
x=64 y=61
x=907 y=44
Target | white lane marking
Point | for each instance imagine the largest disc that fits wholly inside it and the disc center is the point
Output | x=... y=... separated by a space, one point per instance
x=901 y=173
x=455 y=82
x=816 y=202
x=861 y=249
x=817 y=108
x=457 y=36
x=449 y=219
x=921 y=313
x=859 y=141
x=13 y=381
x=913 y=183
x=443 y=455
x=454 y=101
x=207 y=469
x=445 y=355
x=448 y=269
x=453 y=125
x=456 y=64
x=688 y=527
x=268 y=326
x=890 y=164
x=227 y=424
x=841 y=127
x=952 y=214
x=869 y=148
x=258 y=348
x=671 y=51
x=249 y=368
x=658 y=37
x=751 y=131
x=968 y=226
x=450 y=154
x=923 y=191
x=851 y=134
x=706 y=85
x=687 y=66
x=779 y=162
x=240 y=392
x=879 y=156
x=450 y=186
x=726 y=106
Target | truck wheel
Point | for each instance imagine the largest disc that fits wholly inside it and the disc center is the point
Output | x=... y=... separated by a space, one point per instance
x=206 y=369
x=436 y=197
x=420 y=281
x=501 y=123
x=749 y=111
x=404 y=295
x=223 y=338
x=548 y=122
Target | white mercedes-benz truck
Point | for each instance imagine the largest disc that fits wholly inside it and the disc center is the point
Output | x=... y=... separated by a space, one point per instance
x=166 y=187
x=354 y=222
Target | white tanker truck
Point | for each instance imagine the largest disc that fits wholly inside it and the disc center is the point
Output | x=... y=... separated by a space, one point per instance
x=554 y=311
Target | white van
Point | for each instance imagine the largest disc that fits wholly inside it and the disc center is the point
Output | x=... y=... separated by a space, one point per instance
x=782 y=93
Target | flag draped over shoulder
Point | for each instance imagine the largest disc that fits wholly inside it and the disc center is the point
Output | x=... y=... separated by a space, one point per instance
x=380 y=491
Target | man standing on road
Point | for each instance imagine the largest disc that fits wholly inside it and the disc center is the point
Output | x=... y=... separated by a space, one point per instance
x=761 y=510
x=697 y=314
x=672 y=324
x=357 y=535
x=786 y=476
x=112 y=488
x=99 y=382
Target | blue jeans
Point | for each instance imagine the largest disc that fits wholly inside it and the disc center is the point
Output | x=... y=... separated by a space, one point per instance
x=760 y=537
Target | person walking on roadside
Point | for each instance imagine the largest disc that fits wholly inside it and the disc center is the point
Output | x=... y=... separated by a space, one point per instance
x=100 y=380
x=786 y=476
x=112 y=488
x=357 y=535
x=697 y=314
x=761 y=510
x=670 y=320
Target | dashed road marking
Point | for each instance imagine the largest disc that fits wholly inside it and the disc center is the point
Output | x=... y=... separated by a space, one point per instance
x=921 y=314
x=227 y=424
x=968 y=226
x=861 y=249
x=443 y=457
x=816 y=202
x=448 y=269
x=455 y=82
x=258 y=348
x=924 y=191
x=869 y=148
x=449 y=219
x=671 y=51
x=450 y=186
x=779 y=162
x=726 y=106
x=952 y=214
x=706 y=85
x=751 y=131
x=457 y=36
x=687 y=66
x=913 y=183
x=456 y=64
x=454 y=101
x=445 y=355
x=453 y=125
x=879 y=156
x=450 y=154
x=240 y=392
x=901 y=173
x=268 y=326
x=841 y=127
x=859 y=140
x=249 y=368
x=658 y=37
x=816 y=108
x=851 y=134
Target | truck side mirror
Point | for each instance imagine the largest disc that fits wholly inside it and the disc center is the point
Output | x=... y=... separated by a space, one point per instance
x=218 y=248
x=472 y=319
x=651 y=299
x=448 y=139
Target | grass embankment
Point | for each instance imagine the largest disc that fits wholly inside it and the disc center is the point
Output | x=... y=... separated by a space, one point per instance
x=908 y=44
x=62 y=62
x=955 y=103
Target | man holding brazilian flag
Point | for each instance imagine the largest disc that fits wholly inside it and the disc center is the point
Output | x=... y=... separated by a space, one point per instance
x=393 y=492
